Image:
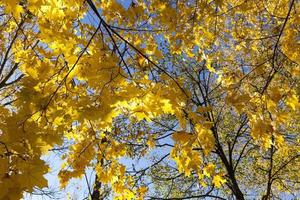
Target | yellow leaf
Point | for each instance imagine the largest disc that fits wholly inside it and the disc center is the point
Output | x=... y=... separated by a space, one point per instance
x=151 y=142
x=218 y=181
x=182 y=137
x=293 y=101
x=209 y=170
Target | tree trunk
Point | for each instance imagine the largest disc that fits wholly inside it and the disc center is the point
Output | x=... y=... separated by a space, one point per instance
x=96 y=190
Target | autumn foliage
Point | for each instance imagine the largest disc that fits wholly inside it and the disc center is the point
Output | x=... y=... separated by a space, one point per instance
x=206 y=91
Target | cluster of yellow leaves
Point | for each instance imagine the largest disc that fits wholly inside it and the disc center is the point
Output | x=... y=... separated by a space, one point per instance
x=183 y=154
x=189 y=160
x=21 y=168
x=115 y=175
x=13 y=7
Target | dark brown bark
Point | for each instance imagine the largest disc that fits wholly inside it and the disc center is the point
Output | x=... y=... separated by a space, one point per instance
x=233 y=184
x=96 y=195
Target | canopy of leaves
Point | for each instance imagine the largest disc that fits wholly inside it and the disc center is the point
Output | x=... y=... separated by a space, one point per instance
x=207 y=91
